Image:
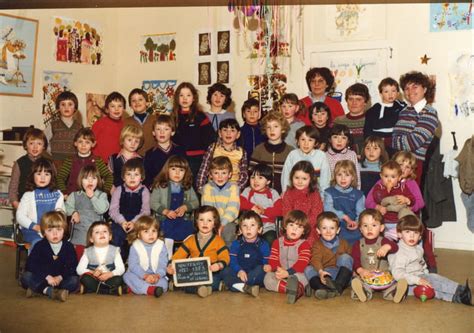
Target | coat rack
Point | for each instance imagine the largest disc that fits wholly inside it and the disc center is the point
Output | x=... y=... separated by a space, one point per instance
x=455 y=146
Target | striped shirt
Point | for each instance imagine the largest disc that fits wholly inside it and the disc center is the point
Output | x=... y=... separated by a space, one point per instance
x=226 y=200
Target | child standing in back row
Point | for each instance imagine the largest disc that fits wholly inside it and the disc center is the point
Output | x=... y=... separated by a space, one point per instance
x=219 y=98
x=252 y=134
x=289 y=107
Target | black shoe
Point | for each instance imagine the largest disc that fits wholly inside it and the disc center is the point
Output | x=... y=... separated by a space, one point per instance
x=463 y=295
x=158 y=292
x=342 y=280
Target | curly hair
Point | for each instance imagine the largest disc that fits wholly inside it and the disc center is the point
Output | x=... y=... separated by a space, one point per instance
x=227 y=92
x=324 y=72
x=278 y=117
x=421 y=79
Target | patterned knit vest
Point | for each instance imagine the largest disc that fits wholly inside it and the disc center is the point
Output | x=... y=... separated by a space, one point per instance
x=45 y=201
x=368 y=256
x=62 y=142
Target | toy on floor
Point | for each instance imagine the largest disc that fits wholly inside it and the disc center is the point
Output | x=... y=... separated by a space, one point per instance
x=424 y=293
x=379 y=280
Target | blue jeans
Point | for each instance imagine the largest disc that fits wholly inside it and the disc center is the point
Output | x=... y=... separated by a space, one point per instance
x=216 y=279
x=37 y=284
x=119 y=239
x=344 y=260
x=30 y=236
x=444 y=288
x=468 y=201
x=254 y=277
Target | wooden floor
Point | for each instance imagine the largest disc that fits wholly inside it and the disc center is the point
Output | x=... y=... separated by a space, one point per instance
x=229 y=312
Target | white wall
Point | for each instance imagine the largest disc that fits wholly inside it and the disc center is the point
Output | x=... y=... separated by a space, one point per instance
x=405 y=27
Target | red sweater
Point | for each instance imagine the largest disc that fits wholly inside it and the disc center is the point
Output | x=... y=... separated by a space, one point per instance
x=333 y=104
x=304 y=255
x=309 y=203
x=107 y=137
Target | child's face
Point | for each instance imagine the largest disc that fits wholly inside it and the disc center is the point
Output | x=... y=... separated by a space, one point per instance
x=42 y=178
x=306 y=143
x=250 y=229
x=229 y=135
x=301 y=180
x=149 y=235
x=370 y=228
x=320 y=118
x=100 y=236
x=318 y=86
x=338 y=141
x=372 y=152
x=274 y=131
x=220 y=176
x=414 y=93
x=294 y=231
x=54 y=235
x=289 y=110
x=390 y=178
x=132 y=178
x=205 y=223
x=67 y=108
x=34 y=147
x=407 y=168
x=163 y=133
x=89 y=182
x=131 y=143
x=328 y=229
x=176 y=174
x=84 y=145
x=185 y=98
x=410 y=238
x=252 y=115
x=344 y=178
x=217 y=99
x=258 y=183
x=389 y=94
x=138 y=103
x=356 y=104
x=115 y=110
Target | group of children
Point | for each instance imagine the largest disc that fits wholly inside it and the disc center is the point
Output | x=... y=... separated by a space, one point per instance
x=219 y=190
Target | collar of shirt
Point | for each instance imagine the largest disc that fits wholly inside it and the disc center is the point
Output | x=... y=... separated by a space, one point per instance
x=68 y=121
x=420 y=105
x=343 y=190
x=316 y=99
x=219 y=112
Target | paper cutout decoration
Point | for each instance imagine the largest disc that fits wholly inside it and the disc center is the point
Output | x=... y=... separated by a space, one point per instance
x=158 y=47
x=347 y=18
x=204 y=73
x=204 y=42
x=160 y=94
x=95 y=107
x=54 y=83
x=77 y=41
x=461 y=82
x=424 y=60
x=447 y=16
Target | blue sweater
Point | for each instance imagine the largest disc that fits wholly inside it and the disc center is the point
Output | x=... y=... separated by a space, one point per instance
x=369 y=175
x=154 y=160
x=251 y=137
x=350 y=201
x=246 y=256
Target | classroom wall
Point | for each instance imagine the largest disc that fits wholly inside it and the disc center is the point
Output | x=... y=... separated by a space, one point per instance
x=405 y=27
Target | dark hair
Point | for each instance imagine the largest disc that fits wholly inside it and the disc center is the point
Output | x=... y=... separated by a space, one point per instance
x=165 y=119
x=207 y=209
x=194 y=109
x=86 y=133
x=358 y=89
x=35 y=134
x=310 y=131
x=339 y=129
x=248 y=215
x=391 y=165
x=85 y=172
x=91 y=229
x=229 y=122
x=177 y=161
x=319 y=107
x=308 y=168
x=410 y=222
x=388 y=81
x=115 y=96
x=263 y=170
x=379 y=142
x=39 y=165
x=324 y=72
x=328 y=216
x=137 y=91
x=421 y=79
x=227 y=92
x=251 y=102
x=134 y=164
x=67 y=96
x=293 y=98
x=376 y=215
x=298 y=217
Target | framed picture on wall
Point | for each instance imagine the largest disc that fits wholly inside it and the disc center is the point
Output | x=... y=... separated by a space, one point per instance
x=18 y=42
x=223 y=42
x=204 y=41
x=222 y=70
x=204 y=73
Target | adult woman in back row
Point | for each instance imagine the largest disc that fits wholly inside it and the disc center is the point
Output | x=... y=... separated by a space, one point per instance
x=320 y=81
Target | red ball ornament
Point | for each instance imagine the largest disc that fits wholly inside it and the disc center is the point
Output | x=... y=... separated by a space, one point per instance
x=424 y=293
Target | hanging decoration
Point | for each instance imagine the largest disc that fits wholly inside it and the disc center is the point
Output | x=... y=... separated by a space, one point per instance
x=424 y=60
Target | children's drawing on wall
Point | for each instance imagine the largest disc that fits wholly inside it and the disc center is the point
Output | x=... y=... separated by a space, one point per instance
x=461 y=81
x=160 y=95
x=204 y=73
x=222 y=69
x=18 y=39
x=351 y=21
x=77 y=41
x=204 y=42
x=54 y=83
x=347 y=18
x=223 y=42
x=269 y=45
x=94 y=107
x=158 y=47
x=447 y=16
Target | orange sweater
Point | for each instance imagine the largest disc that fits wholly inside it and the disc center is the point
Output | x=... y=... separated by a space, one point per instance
x=215 y=249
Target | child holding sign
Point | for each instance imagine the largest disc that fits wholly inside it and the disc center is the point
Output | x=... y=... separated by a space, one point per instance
x=205 y=243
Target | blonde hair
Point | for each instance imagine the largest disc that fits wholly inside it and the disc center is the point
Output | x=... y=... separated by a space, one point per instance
x=53 y=219
x=133 y=131
x=403 y=156
x=348 y=167
x=144 y=222
x=279 y=118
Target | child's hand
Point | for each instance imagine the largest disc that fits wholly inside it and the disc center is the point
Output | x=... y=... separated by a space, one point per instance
x=171 y=214
x=267 y=268
x=89 y=191
x=215 y=267
x=15 y=204
x=381 y=209
x=382 y=252
x=50 y=280
x=352 y=225
x=124 y=226
x=170 y=269
x=105 y=276
x=151 y=278
x=181 y=210
x=322 y=276
x=65 y=196
x=258 y=209
x=131 y=226
x=401 y=199
x=37 y=228
x=75 y=217
x=242 y=276
x=363 y=273
x=281 y=273
x=424 y=282
x=96 y=273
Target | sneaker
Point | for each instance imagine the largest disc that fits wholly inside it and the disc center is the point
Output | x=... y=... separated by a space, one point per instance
x=321 y=294
x=252 y=290
x=158 y=292
x=291 y=289
x=204 y=291
x=359 y=290
x=60 y=294
x=402 y=287
x=30 y=293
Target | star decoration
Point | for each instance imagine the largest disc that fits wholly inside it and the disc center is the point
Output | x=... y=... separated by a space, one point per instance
x=425 y=59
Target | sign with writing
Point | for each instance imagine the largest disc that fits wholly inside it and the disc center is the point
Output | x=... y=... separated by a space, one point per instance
x=192 y=272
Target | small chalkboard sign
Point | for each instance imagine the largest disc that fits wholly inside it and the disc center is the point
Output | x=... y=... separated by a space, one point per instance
x=192 y=272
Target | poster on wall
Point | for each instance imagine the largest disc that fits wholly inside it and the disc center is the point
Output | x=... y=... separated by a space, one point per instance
x=18 y=41
x=204 y=73
x=77 y=41
x=223 y=71
x=349 y=22
x=461 y=83
x=267 y=88
x=158 y=48
x=95 y=107
x=204 y=44
x=447 y=16
x=223 y=42
x=160 y=94
x=54 y=83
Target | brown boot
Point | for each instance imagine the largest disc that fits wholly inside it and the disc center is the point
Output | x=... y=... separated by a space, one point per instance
x=252 y=290
x=60 y=294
